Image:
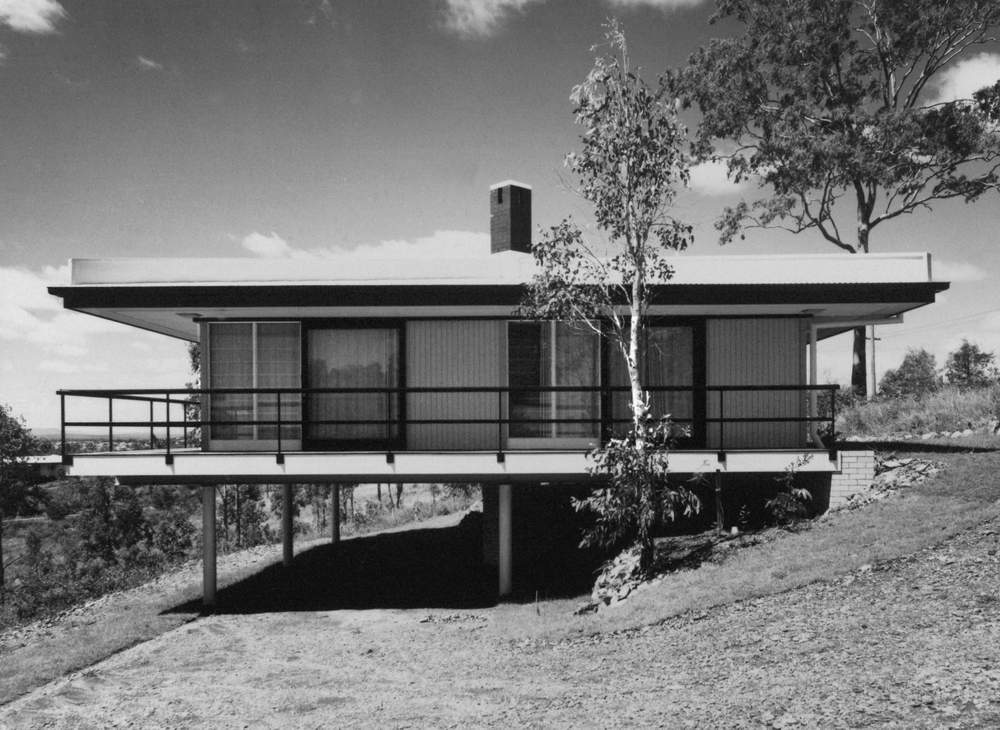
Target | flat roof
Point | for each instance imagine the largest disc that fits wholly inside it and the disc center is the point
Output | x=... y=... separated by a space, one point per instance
x=171 y=296
x=509 y=267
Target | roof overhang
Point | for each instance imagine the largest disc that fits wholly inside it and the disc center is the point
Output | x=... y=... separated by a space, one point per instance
x=175 y=310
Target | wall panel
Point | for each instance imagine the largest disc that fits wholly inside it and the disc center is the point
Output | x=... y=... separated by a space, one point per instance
x=455 y=353
x=766 y=351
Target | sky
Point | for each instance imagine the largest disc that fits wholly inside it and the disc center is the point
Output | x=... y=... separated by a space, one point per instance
x=236 y=128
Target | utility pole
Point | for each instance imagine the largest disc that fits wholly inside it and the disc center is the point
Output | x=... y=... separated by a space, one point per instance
x=870 y=340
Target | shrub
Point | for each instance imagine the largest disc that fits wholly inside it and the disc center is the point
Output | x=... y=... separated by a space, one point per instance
x=790 y=503
x=638 y=499
x=916 y=376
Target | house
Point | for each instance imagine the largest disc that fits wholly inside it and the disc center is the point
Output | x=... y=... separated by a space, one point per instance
x=417 y=371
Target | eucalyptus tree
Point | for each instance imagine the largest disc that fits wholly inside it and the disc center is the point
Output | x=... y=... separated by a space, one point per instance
x=632 y=160
x=833 y=107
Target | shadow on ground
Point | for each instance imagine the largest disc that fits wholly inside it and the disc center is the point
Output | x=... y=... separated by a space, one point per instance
x=418 y=568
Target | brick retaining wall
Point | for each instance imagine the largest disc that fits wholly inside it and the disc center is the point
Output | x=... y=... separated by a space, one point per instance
x=856 y=473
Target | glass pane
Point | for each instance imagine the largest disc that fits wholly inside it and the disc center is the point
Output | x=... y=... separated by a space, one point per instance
x=670 y=361
x=577 y=364
x=353 y=358
x=278 y=366
x=230 y=347
x=528 y=366
x=543 y=354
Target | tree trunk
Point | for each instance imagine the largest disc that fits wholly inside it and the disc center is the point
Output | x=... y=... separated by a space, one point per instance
x=2 y=578
x=632 y=360
x=859 y=366
x=239 y=520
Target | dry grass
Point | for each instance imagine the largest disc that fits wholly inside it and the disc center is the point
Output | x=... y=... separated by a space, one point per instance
x=949 y=409
x=962 y=496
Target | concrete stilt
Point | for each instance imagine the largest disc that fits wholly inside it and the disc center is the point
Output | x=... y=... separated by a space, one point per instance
x=504 y=563
x=208 y=546
x=335 y=513
x=719 y=514
x=286 y=524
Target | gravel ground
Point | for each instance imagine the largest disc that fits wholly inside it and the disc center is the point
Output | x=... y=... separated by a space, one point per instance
x=909 y=643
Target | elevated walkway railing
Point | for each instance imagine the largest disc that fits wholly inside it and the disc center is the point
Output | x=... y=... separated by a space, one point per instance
x=177 y=418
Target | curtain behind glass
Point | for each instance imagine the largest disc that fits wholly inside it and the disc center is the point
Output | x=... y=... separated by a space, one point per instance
x=577 y=364
x=539 y=356
x=278 y=366
x=231 y=366
x=353 y=358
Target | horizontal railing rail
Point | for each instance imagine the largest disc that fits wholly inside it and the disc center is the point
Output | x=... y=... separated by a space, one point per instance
x=393 y=419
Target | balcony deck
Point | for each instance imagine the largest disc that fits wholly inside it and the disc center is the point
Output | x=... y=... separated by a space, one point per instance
x=173 y=420
x=204 y=467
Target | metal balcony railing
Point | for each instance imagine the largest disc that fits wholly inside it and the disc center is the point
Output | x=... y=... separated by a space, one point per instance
x=179 y=415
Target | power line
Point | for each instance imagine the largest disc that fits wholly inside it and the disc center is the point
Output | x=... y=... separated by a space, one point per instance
x=943 y=323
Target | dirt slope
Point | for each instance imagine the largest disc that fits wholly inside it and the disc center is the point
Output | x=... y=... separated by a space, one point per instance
x=911 y=643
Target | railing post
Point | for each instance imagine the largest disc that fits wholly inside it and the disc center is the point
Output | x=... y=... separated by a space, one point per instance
x=62 y=427
x=500 y=455
x=280 y=458
x=111 y=428
x=722 y=425
x=169 y=459
x=184 y=416
x=389 y=457
x=152 y=437
x=833 y=422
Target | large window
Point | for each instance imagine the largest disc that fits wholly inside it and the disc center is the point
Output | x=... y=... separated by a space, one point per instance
x=353 y=357
x=542 y=354
x=254 y=355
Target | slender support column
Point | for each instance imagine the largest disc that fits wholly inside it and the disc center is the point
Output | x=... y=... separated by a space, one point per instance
x=813 y=376
x=208 y=546
x=335 y=513
x=720 y=517
x=505 y=572
x=286 y=524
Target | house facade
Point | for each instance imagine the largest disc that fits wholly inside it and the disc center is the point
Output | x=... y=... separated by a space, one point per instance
x=351 y=370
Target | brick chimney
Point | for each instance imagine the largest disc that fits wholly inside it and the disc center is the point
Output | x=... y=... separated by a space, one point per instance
x=510 y=217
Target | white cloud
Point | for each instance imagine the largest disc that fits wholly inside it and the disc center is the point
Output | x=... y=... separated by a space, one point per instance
x=480 y=18
x=272 y=246
x=28 y=314
x=438 y=245
x=962 y=79
x=957 y=271
x=665 y=5
x=148 y=64
x=31 y=16
x=710 y=178
x=58 y=366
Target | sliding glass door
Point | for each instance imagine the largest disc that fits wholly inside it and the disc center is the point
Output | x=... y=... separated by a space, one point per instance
x=353 y=357
x=251 y=356
x=543 y=354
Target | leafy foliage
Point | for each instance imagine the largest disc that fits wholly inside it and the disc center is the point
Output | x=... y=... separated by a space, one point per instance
x=823 y=101
x=970 y=367
x=639 y=498
x=916 y=376
x=791 y=501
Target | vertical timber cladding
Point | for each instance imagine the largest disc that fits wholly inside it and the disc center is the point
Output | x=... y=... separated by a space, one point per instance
x=454 y=353
x=764 y=351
